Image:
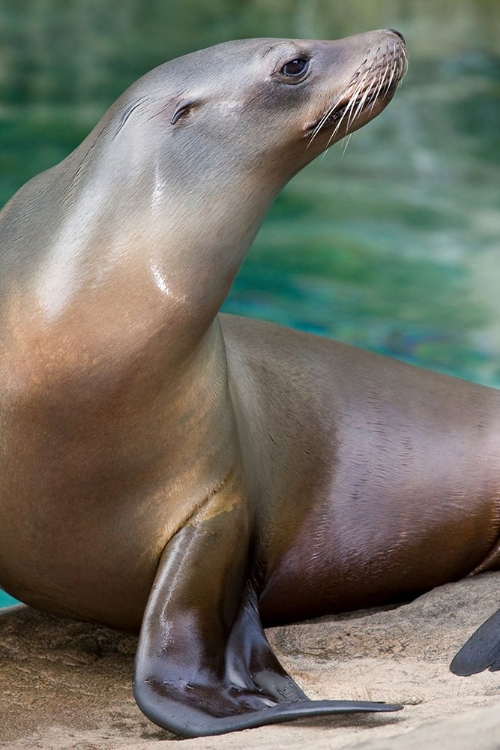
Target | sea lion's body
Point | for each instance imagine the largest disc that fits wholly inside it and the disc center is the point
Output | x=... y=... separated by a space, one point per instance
x=374 y=473
x=159 y=459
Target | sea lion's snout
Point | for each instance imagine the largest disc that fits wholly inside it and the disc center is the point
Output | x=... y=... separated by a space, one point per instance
x=369 y=67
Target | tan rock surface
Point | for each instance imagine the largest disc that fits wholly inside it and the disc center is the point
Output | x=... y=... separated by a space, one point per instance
x=67 y=685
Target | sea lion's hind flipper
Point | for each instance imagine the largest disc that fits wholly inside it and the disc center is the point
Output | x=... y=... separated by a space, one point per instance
x=482 y=650
x=204 y=665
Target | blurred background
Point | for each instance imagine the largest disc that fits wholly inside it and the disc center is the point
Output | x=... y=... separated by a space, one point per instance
x=393 y=246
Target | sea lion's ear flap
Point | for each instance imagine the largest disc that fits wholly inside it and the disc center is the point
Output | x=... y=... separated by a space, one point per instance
x=182 y=108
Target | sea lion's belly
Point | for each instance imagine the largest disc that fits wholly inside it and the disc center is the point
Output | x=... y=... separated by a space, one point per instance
x=361 y=548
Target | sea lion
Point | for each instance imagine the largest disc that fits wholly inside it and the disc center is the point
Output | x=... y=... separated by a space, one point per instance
x=194 y=473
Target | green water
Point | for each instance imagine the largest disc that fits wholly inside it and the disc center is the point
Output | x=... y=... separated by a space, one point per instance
x=394 y=246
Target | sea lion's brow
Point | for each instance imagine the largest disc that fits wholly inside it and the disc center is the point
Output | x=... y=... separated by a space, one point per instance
x=292 y=48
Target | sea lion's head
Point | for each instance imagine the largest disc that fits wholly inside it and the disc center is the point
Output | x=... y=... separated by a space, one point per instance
x=272 y=102
x=260 y=105
x=185 y=165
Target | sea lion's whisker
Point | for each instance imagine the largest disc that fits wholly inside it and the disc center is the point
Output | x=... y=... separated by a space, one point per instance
x=381 y=89
x=323 y=120
x=382 y=81
x=325 y=117
x=348 y=110
x=393 y=70
x=345 y=95
x=376 y=95
x=346 y=143
x=376 y=81
x=365 y=88
x=354 y=99
x=360 y=106
x=330 y=111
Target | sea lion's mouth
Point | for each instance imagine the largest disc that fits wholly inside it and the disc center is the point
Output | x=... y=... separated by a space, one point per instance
x=371 y=87
x=360 y=103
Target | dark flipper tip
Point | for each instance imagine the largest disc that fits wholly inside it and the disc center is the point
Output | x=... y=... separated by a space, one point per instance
x=482 y=650
x=191 y=724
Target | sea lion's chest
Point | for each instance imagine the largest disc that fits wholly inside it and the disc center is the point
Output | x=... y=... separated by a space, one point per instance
x=76 y=525
x=100 y=467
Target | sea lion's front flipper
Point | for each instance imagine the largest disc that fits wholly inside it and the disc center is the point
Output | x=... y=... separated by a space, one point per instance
x=482 y=650
x=204 y=665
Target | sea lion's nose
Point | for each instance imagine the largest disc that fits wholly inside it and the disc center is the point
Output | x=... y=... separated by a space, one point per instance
x=399 y=34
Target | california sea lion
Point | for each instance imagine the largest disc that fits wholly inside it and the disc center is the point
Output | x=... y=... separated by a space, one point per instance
x=194 y=473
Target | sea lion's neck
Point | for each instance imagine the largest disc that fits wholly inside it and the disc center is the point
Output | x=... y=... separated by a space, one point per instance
x=178 y=238
x=132 y=260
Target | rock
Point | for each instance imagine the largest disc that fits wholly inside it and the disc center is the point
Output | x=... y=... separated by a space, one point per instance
x=67 y=685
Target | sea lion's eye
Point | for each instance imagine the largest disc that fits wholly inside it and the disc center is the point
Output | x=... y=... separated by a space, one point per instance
x=295 y=68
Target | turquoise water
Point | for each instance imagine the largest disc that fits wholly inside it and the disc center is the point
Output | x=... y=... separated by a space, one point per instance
x=6 y=600
x=393 y=246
